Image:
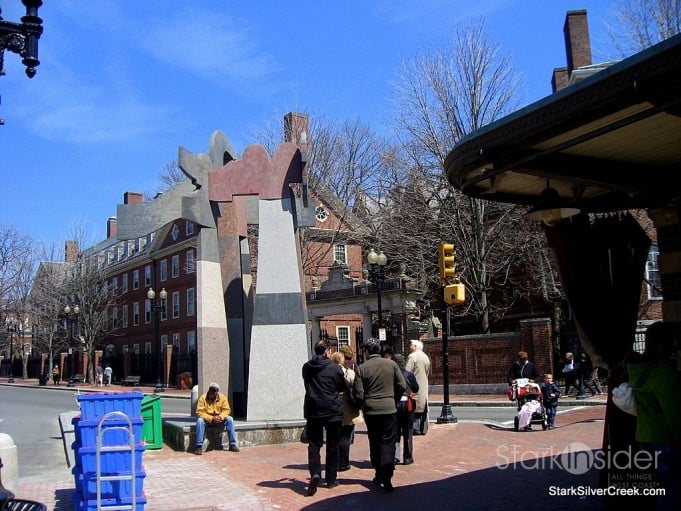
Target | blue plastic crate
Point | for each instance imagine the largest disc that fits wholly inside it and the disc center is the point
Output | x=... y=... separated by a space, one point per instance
x=112 y=462
x=114 y=432
x=86 y=484
x=95 y=405
x=81 y=504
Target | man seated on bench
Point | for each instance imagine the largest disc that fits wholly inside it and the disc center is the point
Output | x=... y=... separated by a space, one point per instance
x=213 y=410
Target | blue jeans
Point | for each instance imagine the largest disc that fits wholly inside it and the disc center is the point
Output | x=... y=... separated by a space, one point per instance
x=201 y=430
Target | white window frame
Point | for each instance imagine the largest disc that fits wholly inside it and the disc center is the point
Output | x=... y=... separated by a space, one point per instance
x=147 y=276
x=124 y=283
x=176 y=304
x=124 y=313
x=653 y=280
x=190 y=261
x=189 y=228
x=191 y=302
x=147 y=311
x=136 y=313
x=343 y=335
x=340 y=253
x=135 y=279
x=147 y=348
x=175 y=266
x=191 y=341
x=164 y=270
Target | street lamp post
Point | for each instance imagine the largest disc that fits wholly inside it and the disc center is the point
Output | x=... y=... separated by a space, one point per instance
x=377 y=262
x=11 y=332
x=22 y=38
x=71 y=314
x=158 y=308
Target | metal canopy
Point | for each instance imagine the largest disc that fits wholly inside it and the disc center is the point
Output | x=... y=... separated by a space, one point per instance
x=609 y=142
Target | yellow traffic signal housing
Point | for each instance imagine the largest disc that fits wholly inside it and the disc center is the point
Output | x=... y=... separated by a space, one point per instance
x=446 y=262
x=455 y=294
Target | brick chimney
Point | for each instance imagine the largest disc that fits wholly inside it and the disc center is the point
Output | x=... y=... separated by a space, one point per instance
x=112 y=227
x=132 y=198
x=294 y=125
x=71 y=251
x=577 y=42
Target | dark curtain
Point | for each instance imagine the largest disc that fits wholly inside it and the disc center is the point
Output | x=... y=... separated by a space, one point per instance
x=601 y=264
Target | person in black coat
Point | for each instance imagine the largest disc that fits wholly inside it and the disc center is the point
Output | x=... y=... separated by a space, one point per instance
x=405 y=418
x=522 y=368
x=324 y=381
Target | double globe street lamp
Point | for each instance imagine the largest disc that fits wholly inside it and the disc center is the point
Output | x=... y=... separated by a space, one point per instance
x=377 y=262
x=72 y=315
x=158 y=308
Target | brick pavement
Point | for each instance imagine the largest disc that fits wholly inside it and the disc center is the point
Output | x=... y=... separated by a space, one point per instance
x=457 y=466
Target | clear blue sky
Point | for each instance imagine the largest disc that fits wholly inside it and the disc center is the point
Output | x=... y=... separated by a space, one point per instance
x=123 y=83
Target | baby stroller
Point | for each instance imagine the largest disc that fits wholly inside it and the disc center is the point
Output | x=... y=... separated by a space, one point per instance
x=524 y=392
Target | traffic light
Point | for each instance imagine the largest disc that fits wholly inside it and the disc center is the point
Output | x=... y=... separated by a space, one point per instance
x=455 y=294
x=446 y=261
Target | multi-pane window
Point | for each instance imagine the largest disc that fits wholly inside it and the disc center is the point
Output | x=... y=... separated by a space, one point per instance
x=147 y=276
x=164 y=270
x=176 y=342
x=191 y=341
x=114 y=286
x=164 y=340
x=136 y=349
x=190 y=228
x=653 y=274
x=340 y=254
x=175 y=266
x=343 y=335
x=124 y=283
x=135 y=279
x=114 y=318
x=135 y=313
x=164 y=310
x=190 y=302
x=124 y=313
x=147 y=347
x=176 y=304
x=191 y=263
x=147 y=311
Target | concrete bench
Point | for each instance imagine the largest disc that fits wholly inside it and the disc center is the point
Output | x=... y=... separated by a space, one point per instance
x=130 y=381
x=180 y=433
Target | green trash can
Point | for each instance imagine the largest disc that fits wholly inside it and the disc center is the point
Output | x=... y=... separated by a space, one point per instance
x=152 y=430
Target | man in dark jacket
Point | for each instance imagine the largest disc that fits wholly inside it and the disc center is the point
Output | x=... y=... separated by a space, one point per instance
x=378 y=382
x=522 y=368
x=322 y=408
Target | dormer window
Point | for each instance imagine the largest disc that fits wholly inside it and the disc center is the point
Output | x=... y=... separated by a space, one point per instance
x=175 y=232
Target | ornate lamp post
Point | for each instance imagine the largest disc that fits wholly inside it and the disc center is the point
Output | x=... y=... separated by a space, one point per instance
x=158 y=309
x=72 y=315
x=11 y=324
x=22 y=38
x=377 y=262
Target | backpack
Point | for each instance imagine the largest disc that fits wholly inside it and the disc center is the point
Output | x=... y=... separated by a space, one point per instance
x=410 y=403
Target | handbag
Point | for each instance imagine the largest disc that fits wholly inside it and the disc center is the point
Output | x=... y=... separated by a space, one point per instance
x=623 y=397
x=303 y=435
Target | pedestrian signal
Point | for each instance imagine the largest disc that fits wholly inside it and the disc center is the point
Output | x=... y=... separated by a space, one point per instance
x=455 y=294
x=446 y=261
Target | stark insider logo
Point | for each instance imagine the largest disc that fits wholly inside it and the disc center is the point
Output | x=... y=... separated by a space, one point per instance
x=577 y=459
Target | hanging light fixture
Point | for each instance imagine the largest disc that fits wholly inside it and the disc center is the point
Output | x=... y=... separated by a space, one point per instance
x=550 y=208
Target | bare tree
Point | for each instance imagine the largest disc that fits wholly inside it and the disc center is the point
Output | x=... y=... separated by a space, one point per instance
x=441 y=98
x=639 y=24
x=47 y=306
x=16 y=270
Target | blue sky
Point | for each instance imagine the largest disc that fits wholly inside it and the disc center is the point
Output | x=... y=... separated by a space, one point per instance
x=123 y=83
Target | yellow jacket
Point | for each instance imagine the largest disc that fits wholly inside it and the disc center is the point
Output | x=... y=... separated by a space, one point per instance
x=207 y=410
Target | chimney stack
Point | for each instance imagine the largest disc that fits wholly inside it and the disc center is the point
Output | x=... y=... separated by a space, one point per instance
x=71 y=251
x=294 y=125
x=112 y=227
x=132 y=198
x=577 y=42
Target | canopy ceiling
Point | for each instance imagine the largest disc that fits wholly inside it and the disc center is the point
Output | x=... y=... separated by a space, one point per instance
x=609 y=142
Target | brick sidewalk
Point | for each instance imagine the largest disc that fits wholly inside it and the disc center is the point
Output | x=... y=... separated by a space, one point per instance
x=462 y=466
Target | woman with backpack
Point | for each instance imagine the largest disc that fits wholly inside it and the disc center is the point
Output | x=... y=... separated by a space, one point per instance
x=406 y=406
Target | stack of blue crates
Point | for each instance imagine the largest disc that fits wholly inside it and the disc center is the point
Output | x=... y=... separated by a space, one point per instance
x=117 y=462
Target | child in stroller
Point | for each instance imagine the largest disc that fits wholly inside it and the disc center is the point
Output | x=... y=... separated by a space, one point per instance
x=530 y=406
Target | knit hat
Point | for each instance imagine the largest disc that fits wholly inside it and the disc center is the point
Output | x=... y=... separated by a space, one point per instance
x=214 y=386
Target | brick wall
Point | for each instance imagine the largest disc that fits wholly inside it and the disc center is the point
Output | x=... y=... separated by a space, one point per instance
x=485 y=359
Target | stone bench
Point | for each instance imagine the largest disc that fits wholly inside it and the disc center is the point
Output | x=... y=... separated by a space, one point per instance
x=180 y=433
